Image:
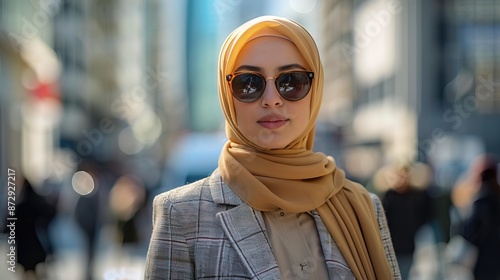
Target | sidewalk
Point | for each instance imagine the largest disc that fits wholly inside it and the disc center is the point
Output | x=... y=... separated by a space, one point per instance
x=69 y=260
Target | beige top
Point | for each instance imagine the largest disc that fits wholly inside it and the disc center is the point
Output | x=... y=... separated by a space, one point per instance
x=296 y=245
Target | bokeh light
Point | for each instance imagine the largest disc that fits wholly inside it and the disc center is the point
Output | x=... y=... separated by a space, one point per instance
x=82 y=183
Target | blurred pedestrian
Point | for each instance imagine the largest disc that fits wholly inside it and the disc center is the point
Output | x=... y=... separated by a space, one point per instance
x=274 y=208
x=91 y=210
x=407 y=208
x=477 y=217
x=34 y=214
x=126 y=198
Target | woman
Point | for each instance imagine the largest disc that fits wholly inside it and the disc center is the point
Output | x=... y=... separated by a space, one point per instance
x=273 y=209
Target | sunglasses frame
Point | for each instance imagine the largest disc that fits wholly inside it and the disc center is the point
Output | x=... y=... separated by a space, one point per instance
x=230 y=77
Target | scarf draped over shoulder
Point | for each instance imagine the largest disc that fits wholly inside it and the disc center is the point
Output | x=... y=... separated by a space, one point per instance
x=296 y=179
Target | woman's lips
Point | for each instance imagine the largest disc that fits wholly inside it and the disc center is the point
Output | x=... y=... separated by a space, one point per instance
x=272 y=121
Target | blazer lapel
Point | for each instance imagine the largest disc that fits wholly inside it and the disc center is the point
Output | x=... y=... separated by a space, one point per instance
x=246 y=231
x=335 y=261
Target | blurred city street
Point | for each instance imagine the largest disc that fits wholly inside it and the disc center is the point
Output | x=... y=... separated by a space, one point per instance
x=69 y=260
x=104 y=104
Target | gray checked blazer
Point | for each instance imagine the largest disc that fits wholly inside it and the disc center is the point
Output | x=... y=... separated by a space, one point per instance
x=204 y=231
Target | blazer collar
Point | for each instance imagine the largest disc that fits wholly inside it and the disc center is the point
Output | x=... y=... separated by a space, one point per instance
x=221 y=193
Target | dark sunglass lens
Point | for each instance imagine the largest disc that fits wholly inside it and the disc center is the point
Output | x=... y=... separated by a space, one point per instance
x=293 y=86
x=247 y=87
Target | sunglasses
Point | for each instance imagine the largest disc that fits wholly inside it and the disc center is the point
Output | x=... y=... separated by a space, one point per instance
x=292 y=86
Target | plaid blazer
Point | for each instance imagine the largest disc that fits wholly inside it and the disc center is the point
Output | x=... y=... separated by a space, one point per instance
x=204 y=231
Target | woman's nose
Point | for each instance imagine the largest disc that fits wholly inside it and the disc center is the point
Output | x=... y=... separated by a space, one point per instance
x=271 y=96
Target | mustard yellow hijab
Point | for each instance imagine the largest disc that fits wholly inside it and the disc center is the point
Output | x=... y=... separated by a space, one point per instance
x=295 y=179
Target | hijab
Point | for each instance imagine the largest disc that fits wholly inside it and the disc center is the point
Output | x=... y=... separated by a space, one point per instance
x=296 y=179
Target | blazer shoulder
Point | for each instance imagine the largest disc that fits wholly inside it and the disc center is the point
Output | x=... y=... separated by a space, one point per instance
x=377 y=205
x=189 y=192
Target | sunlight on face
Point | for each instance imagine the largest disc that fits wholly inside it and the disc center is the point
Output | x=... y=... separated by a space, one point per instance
x=271 y=122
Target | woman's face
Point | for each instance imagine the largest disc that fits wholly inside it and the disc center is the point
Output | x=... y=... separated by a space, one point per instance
x=271 y=122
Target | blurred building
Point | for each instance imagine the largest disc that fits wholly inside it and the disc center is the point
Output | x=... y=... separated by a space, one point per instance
x=412 y=80
x=86 y=80
x=113 y=79
x=371 y=81
x=460 y=83
x=30 y=98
